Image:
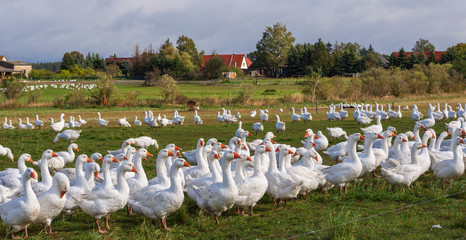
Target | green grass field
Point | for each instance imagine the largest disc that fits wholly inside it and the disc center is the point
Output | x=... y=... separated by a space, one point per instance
x=372 y=209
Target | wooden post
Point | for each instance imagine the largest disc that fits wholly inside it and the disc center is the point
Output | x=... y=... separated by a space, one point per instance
x=316 y=107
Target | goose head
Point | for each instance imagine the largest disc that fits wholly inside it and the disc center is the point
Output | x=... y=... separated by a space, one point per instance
x=211 y=141
x=83 y=158
x=121 y=157
x=75 y=146
x=62 y=182
x=180 y=162
x=109 y=158
x=30 y=173
x=308 y=133
x=218 y=146
x=25 y=157
x=97 y=156
x=48 y=154
x=144 y=153
x=172 y=147
x=127 y=167
x=165 y=153
x=229 y=155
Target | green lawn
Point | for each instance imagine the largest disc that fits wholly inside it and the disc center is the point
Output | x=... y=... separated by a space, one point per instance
x=351 y=216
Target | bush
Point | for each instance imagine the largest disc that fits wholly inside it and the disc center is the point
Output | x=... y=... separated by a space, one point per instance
x=12 y=88
x=34 y=96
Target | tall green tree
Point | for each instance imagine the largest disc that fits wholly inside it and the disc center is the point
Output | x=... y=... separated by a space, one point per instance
x=322 y=61
x=300 y=59
x=72 y=58
x=423 y=45
x=213 y=67
x=186 y=44
x=402 y=59
x=273 y=48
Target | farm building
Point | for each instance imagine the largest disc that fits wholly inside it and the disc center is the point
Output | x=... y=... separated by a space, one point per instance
x=231 y=60
x=438 y=54
x=13 y=67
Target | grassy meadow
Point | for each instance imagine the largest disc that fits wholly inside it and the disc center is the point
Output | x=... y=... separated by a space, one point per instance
x=372 y=209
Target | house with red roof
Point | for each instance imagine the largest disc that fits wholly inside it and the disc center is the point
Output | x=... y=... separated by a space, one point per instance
x=438 y=54
x=231 y=60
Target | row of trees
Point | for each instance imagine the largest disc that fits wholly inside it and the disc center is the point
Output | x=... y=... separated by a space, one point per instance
x=276 y=55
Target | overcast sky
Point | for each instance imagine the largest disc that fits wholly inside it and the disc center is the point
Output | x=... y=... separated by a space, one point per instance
x=43 y=30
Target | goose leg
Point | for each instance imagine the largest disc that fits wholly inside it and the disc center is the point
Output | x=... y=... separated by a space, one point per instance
x=443 y=181
x=164 y=224
x=284 y=207
x=216 y=220
x=375 y=175
x=107 y=226
x=346 y=188
x=50 y=229
x=26 y=232
x=130 y=210
x=98 y=226
x=340 y=189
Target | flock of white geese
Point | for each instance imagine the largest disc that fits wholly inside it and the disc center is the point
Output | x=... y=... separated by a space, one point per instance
x=238 y=174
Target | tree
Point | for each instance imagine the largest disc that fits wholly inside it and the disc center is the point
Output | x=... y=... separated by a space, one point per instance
x=152 y=77
x=423 y=45
x=12 y=88
x=72 y=58
x=432 y=58
x=168 y=86
x=299 y=60
x=104 y=90
x=186 y=44
x=402 y=59
x=213 y=67
x=322 y=59
x=273 y=48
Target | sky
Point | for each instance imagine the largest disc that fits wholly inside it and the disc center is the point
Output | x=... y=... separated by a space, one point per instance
x=43 y=30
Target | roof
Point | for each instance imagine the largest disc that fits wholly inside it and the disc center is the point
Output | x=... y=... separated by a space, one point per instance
x=230 y=60
x=4 y=69
x=438 y=54
x=2 y=58
x=19 y=63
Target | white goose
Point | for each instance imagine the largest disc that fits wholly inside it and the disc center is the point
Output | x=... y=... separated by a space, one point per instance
x=279 y=125
x=252 y=189
x=428 y=122
x=21 y=125
x=197 y=119
x=451 y=168
x=348 y=170
x=107 y=182
x=163 y=203
x=305 y=115
x=52 y=201
x=252 y=113
x=202 y=167
x=124 y=146
x=160 y=182
x=81 y=121
x=123 y=122
x=6 y=125
x=258 y=127
x=68 y=135
x=218 y=197
x=102 y=122
x=68 y=156
x=207 y=179
x=367 y=157
x=139 y=181
x=321 y=141
x=263 y=115
x=4 y=151
x=39 y=123
x=239 y=130
x=20 y=212
x=46 y=181
x=58 y=126
x=78 y=186
x=377 y=128
x=136 y=121
x=336 y=132
x=28 y=124
x=146 y=142
x=404 y=175
x=103 y=202
x=415 y=114
x=294 y=117
x=301 y=173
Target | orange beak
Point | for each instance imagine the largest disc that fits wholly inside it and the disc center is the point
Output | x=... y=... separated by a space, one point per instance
x=267 y=149
x=54 y=154
x=96 y=174
x=12 y=160
x=124 y=157
x=186 y=164
x=422 y=126
x=77 y=149
x=134 y=170
x=461 y=141
x=30 y=160
x=414 y=138
x=379 y=136
x=316 y=158
x=115 y=160
x=277 y=150
x=244 y=147
x=236 y=155
x=178 y=154
x=362 y=137
x=423 y=145
x=149 y=154
x=223 y=146
x=89 y=160
x=239 y=142
x=272 y=141
x=216 y=156
x=393 y=134
x=62 y=193
x=404 y=140
x=248 y=158
x=274 y=136
x=314 y=144
x=202 y=143
x=316 y=137
x=290 y=152
x=171 y=154
x=448 y=133
x=433 y=136
x=127 y=143
x=306 y=135
x=33 y=175
x=177 y=148
x=249 y=134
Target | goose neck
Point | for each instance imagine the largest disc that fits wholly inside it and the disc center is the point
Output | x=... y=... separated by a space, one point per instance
x=226 y=172
x=122 y=184
x=44 y=171
x=29 y=194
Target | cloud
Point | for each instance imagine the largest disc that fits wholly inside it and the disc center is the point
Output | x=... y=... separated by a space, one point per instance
x=43 y=30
